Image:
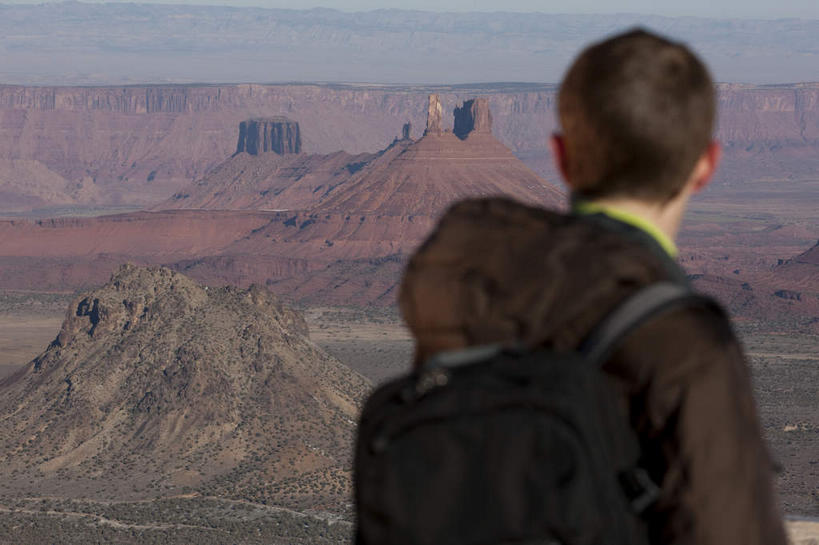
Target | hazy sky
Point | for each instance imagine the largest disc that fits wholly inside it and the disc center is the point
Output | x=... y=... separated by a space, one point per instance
x=765 y=9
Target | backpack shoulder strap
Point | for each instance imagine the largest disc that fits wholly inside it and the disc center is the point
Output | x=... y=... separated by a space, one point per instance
x=633 y=312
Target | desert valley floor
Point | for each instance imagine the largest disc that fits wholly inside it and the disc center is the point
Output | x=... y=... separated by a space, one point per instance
x=374 y=342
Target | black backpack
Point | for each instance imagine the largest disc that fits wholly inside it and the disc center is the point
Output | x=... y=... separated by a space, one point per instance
x=494 y=445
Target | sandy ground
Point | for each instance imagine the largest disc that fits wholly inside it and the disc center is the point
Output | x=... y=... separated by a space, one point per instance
x=379 y=347
x=803 y=532
x=23 y=336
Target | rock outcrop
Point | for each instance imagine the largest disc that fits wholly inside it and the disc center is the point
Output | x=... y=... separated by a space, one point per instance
x=473 y=116
x=156 y=382
x=277 y=134
x=434 y=115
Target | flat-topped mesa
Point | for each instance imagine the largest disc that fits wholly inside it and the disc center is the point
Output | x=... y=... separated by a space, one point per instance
x=473 y=116
x=278 y=134
x=434 y=116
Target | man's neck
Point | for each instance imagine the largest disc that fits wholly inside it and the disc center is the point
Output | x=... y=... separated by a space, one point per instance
x=666 y=217
x=661 y=222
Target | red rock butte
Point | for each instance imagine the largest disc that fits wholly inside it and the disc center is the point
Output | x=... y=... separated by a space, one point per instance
x=315 y=223
x=408 y=178
x=278 y=134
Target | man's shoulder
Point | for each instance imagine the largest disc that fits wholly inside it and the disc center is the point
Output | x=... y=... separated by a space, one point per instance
x=494 y=269
x=530 y=236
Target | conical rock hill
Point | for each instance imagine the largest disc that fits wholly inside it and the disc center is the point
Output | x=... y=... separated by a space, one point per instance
x=156 y=384
x=432 y=173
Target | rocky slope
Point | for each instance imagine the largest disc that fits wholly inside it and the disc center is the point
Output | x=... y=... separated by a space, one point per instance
x=156 y=384
x=267 y=181
x=140 y=144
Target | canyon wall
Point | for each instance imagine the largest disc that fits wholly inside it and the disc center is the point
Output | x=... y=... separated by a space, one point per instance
x=139 y=144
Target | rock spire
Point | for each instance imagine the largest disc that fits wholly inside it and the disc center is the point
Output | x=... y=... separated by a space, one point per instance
x=434 y=115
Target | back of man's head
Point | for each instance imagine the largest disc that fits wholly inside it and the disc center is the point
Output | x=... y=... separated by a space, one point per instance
x=637 y=111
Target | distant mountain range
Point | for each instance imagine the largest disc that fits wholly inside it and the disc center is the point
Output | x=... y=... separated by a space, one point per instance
x=119 y=43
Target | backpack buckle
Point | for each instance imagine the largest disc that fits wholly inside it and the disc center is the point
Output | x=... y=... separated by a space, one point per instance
x=431 y=379
x=640 y=490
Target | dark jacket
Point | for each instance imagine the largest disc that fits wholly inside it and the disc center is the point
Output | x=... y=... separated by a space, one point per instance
x=495 y=270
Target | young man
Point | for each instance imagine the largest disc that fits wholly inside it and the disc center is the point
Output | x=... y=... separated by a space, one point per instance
x=637 y=113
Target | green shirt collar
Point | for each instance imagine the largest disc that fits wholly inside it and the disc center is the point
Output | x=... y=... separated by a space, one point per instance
x=589 y=207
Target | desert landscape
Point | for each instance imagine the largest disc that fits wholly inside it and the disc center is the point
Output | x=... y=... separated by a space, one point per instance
x=328 y=233
x=198 y=281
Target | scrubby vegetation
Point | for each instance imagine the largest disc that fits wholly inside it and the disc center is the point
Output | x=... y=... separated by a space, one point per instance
x=177 y=521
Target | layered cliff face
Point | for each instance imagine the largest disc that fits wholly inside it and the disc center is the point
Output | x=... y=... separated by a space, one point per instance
x=156 y=382
x=278 y=134
x=139 y=145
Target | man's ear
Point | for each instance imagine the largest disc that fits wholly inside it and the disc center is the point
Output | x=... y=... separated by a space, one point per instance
x=561 y=159
x=706 y=166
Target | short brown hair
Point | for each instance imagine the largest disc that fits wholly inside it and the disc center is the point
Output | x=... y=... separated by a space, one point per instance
x=637 y=111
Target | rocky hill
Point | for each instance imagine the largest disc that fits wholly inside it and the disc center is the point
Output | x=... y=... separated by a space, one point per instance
x=156 y=386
